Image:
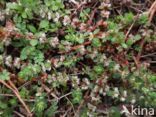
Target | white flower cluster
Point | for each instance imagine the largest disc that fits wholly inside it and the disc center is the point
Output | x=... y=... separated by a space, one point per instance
x=105 y=6
x=75 y=81
x=42 y=37
x=10 y=62
x=46 y=66
x=116 y=92
x=85 y=84
x=54 y=41
x=66 y=20
x=57 y=17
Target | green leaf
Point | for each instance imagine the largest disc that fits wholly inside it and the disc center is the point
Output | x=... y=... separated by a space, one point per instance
x=77 y=96
x=98 y=69
x=26 y=52
x=3 y=105
x=124 y=45
x=13 y=101
x=14 y=6
x=31 y=28
x=47 y=2
x=24 y=15
x=40 y=104
x=55 y=7
x=44 y=24
x=116 y=75
x=52 y=109
x=143 y=19
x=4 y=75
x=96 y=42
x=34 y=42
x=137 y=37
x=29 y=71
x=129 y=42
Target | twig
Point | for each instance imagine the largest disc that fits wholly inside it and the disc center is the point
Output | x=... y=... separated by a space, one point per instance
x=66 y=112
x=152 y=61
x=78 y=110
x=139 y=54
x=152 y=11
x=5 y=84
x=49 y=91
x=71 y=105
x=14 y=89
x=65 y=95
x=151 y=54
x=91 y=17
x=25 y=84
x=7 y=95
x=19 y=114
x=126 y=37
x=136 y=62
x=76 y=47
x=75 y=2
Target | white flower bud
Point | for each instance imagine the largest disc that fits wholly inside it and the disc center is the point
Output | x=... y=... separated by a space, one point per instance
x=17 y=63
x=8 y=61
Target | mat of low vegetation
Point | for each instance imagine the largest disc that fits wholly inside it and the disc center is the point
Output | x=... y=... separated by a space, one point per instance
x=82 y=58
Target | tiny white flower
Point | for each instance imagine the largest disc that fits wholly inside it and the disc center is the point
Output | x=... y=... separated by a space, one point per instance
x=7 y=41
x=75 y=80
x=105 y=13
x=116 y=89
x=125 y=93
x=95 y=98
x=46 y=66
x=38 y=94
x=116 y=92
x=117 y=67
x=96 y=88
x=57 y=16
x=42 y=38
x=62 y=58
x=122 y=99
x=68 y=47
x=106 y=63
x=107 y=88
x=101 y=91
x=8 y=61
x=54 y=41
x=66 y=20
x=104 y=93
x=43 y=35
x=86 y=81
x=116 y=95
x=17 y=63
x=84 y=87
x=133 y=101
x=82 y=50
